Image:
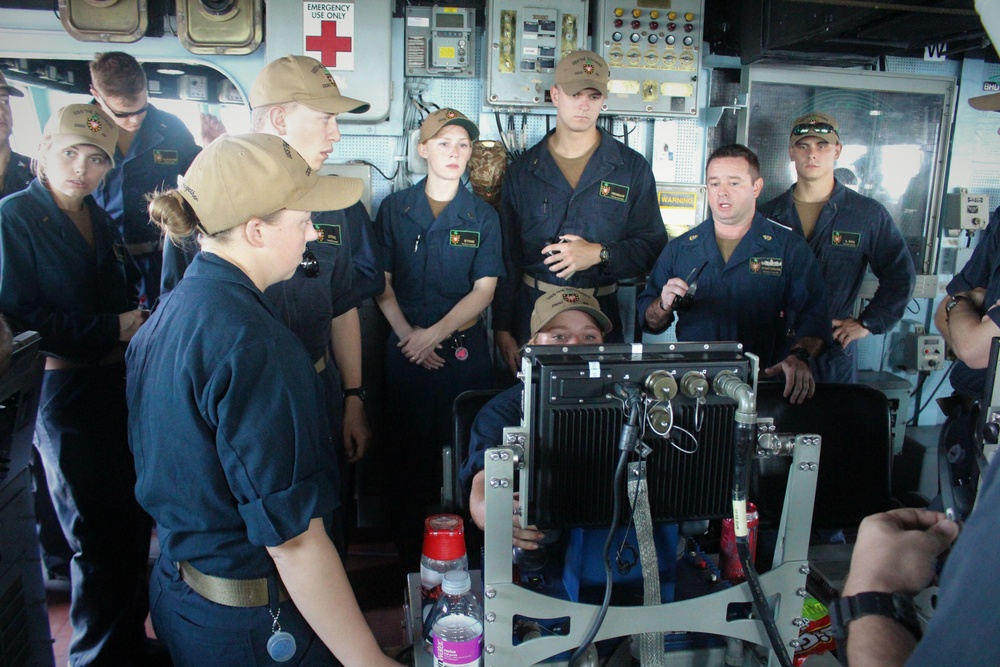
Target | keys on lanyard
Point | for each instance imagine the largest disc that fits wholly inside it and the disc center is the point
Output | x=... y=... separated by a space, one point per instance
x=458 y=342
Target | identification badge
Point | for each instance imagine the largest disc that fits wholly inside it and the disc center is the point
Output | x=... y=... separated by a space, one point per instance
x=464 y=239
x=164 y=157
x=461 y=353
x=766 y=266
x=328 y=234
x=846 y=239
x=614 y=191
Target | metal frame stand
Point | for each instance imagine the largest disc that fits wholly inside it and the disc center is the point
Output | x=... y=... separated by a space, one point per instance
x=784 y=583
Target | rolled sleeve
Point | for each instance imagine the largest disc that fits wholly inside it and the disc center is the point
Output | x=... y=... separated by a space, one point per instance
x=274 y=519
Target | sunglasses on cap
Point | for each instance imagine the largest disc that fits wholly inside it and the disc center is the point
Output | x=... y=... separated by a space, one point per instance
x=813 y=128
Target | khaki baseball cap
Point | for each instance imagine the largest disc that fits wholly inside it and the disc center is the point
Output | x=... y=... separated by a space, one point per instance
x=816 y=124
x=579 y=70
x=551 y=304
x=301 y=79
x=989 y=102
x=441 y=118
x=77 y=124
x=243 y=176
x=11 y=90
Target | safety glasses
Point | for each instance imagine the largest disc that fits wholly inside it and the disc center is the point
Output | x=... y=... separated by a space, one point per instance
x=813 y=128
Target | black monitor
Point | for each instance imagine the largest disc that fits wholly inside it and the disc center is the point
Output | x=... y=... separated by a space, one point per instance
x=575 y=424
x=19 y=391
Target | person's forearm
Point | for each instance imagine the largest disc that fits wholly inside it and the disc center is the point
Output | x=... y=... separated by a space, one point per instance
x=345 y=334
x=810 y=344
x=657 y=318
x=469 y=307
x=314 y=576
x=969 y=336
x=477 y=500
x=390 y=308
x=877 y=641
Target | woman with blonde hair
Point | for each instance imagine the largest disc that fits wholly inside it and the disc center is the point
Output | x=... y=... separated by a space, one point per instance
x=231 y=451
x=64 y=273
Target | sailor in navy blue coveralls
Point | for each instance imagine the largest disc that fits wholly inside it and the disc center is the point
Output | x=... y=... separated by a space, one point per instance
x=17 y=176
x=438 y=269
x=161 y=149
x=231 y=456
x=614 y=204
x=53 y=282
x=850 y=234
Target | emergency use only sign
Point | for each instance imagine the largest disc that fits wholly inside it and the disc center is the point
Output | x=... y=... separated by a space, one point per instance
x=328 y=33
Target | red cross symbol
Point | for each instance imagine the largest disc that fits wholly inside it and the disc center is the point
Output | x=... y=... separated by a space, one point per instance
x=328 y=43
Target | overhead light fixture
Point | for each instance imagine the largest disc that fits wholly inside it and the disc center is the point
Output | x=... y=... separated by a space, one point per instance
x=170 y=71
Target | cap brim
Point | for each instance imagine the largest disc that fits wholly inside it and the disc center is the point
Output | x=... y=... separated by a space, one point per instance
x=826 y=137
x=12 y=91
x=469 y=126
x=60 y=141
x=336 y=104
x=986 y=102
x=574 y=87
x=603 y=322
x=332 y=193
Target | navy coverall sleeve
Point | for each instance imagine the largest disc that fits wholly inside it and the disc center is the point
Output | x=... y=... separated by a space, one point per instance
x=81 y=334
x=510 y=230
x=269 y=443
x=368 y=280
x=662 y=272
x=645 y=236
x=892 y=265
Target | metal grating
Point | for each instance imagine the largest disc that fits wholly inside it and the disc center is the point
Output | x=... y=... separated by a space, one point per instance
x=573 y=465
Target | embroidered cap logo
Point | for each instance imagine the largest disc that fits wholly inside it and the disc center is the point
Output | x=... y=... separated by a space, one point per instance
x=94 y=123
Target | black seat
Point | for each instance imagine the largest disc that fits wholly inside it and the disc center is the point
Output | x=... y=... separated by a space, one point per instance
x=856 y=462
x=464 y=411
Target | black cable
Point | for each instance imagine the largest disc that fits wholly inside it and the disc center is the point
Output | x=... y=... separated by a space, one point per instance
x=382 y=173
x=916 y=415
x=631 y=395
x=912 y=312
x=760 y=602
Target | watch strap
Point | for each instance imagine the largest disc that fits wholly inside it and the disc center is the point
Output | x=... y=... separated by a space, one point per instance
x=891 y=605
x=356 y=391
x=801 y=354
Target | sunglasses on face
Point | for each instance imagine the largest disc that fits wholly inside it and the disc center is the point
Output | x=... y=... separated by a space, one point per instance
x=124 y=114
x=813 y=128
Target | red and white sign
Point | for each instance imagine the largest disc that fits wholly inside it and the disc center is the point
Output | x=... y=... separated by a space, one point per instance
x=328 y=33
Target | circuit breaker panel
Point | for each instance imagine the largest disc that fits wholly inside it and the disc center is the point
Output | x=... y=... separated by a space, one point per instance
x=526 y=40
x=440 y=41
x=653 y=49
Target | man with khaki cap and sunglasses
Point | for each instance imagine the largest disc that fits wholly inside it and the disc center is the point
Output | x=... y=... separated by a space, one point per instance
x=848 y=233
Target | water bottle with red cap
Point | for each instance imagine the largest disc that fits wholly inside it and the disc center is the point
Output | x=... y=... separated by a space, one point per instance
x=443 y=551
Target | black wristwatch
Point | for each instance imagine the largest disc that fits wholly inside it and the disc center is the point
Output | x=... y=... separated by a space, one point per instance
x=954 y=302
x=891 y=605
x=356 y=391
x=801 y=354
x=605 y=255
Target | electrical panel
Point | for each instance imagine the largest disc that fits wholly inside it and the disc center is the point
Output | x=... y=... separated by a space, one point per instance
x=526 y=41
x=440 y=41
x=964 y=210
x=653 y=49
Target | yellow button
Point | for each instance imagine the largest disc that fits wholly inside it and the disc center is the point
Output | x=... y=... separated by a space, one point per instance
x=636 y=13
x=672 y=16
x=654 y=14
x=619 y=11
x=689 y=17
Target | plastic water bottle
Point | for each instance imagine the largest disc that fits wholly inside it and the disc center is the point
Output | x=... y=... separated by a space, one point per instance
x=457 y=623
x=443 y=551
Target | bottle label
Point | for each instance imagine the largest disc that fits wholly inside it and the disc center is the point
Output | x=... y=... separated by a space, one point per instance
x=457 y=654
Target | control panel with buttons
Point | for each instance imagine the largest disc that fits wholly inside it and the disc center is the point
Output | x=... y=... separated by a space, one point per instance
x=440 y=41
x=525 y=42
x=653 y=48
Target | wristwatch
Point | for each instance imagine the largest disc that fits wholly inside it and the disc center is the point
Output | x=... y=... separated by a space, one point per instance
x=356 y=391
x=954 y=302
x=891 y=605
x=605 y=255
x=801 y=354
